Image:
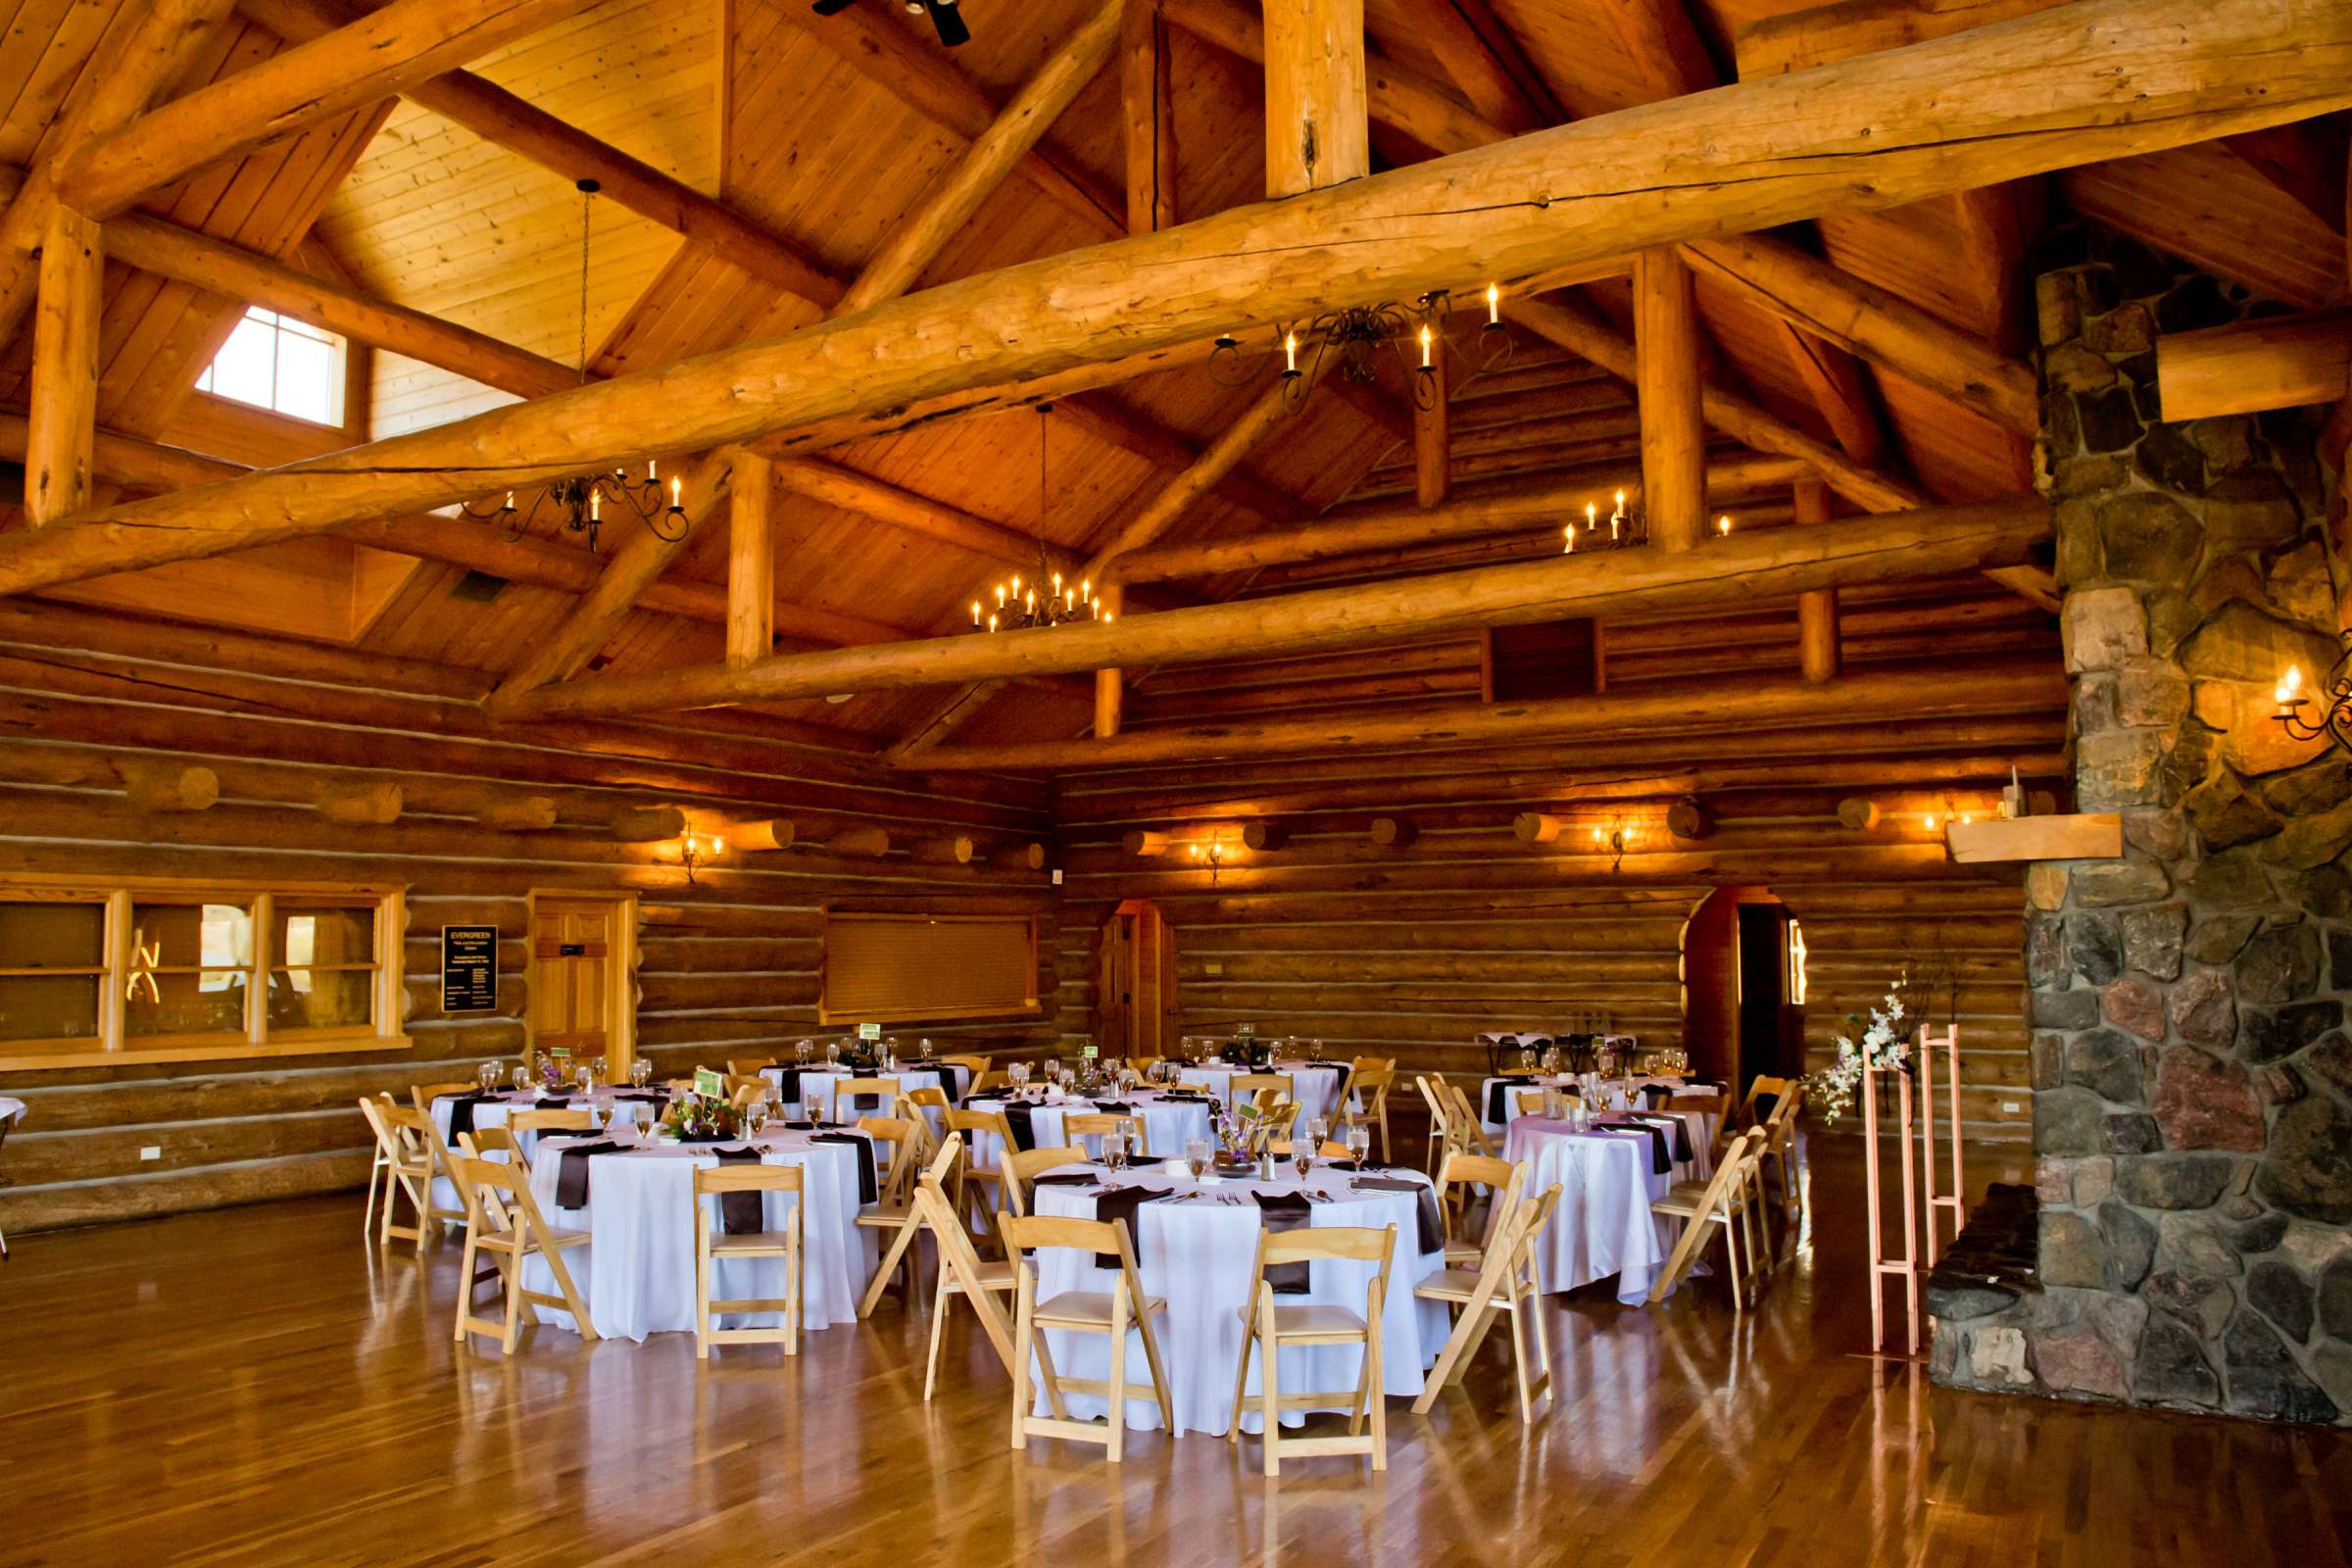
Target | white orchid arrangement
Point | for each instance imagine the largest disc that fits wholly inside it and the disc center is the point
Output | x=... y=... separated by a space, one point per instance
x=1885 y=1046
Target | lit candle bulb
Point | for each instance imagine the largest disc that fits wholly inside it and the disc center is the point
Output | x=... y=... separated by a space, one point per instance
x=1086 y=588
x=1425 y=365
x=1493 y=305
x=992 y=623
x=1570 y=531
x=1016 y=584
x=652 y=472
x=1290 y=353
x=1058 y=585
x=1722 y=524
x=1108 y=617
x=509 y=501
x=1591 y=515
x=2291 y=687
x=1000 y=596
x=595 y=505
x=1032 y=601
x=677 y=493
x=975 y=612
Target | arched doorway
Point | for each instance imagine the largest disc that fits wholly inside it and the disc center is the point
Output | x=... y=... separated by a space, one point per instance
x=1743 y=987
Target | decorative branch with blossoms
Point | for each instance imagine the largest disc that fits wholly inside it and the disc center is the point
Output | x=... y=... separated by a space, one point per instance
x=1886 y=1046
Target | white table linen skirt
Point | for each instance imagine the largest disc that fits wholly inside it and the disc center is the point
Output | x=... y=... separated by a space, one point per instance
x=1317 y=1088
x=1699 y=1126
x=1196 y=1255
x=1167 y=1127
x=494 y=1113
x=818 y=1085
x=1604 y=1225
x=637 y=1276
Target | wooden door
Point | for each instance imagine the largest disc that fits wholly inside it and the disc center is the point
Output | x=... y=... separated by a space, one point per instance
x=1135 y=982
x=583 y=994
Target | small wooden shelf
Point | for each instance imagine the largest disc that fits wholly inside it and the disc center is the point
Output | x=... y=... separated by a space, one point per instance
x=2094 y=836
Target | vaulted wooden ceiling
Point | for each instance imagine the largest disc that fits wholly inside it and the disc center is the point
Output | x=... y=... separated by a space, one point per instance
x=827 y=133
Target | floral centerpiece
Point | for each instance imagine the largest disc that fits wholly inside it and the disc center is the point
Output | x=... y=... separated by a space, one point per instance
x=1239 y=1130
x=702 y=1118
x=1885 y=1046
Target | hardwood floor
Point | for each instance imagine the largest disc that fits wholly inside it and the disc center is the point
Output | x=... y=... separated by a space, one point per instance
x=258 y=1387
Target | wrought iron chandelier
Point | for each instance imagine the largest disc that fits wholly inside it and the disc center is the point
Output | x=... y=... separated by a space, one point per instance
x=580 y=502
x=2335 y=717
x=1625 y=528
x=1047 y=598
x=1357 y=334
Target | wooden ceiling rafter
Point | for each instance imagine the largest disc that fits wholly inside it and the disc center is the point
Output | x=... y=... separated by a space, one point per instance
x=2199 y=74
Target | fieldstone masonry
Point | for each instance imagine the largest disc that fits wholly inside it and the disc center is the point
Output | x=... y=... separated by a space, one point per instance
x=2192 y=1070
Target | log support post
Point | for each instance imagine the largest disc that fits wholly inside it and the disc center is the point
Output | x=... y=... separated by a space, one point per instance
x=65 y=369
x=1432 y=455
x=1673 y=438
x=1318 y=127
x=1147 y=94
x=1110 y=689
x=1817 y=610
x=751 y=563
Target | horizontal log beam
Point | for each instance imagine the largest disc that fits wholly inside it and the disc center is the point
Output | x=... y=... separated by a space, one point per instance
x=375 y=57
x=2280 y=361
x=1500 y=508
x=1748 y=706
x=1740 y=566
x=2093 y=81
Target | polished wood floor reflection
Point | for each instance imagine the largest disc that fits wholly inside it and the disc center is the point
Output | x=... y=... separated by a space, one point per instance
x=256 y=1385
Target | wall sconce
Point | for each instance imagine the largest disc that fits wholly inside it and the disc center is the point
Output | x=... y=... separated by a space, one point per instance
x=696 y=849
x=1209 y=851
x=1613 y=839
x=2336 y=716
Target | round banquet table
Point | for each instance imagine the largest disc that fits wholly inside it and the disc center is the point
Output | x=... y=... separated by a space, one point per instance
x=1699 y=1126
x=818 y=1081
x=1316 y=1086
x=1604 y=1225
x=638 y=1275
x=1195 y=1253
x=494 y=1113
x=1168 y=1124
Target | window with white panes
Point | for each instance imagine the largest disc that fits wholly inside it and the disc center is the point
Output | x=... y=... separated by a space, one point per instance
x=157 y=970
x=277 y=362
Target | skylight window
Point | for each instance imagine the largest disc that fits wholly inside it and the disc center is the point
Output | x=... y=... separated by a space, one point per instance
x=277 y=362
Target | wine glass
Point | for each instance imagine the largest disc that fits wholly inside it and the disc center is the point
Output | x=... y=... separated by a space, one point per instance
x=804 y=1051
x=1196 y=1155
x=521 y=1078
x=1018 y=1074
x=1303 y=1153
x=641 y=1072
x=1318 y=1129
x=486 y=1075
x=1359 y=1143
x=755 y=1117
x=1115 y=1148
x=832 y=1053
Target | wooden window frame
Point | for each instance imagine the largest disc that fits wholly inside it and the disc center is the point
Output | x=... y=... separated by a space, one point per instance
x=1031 y=1007
x=114 y=1045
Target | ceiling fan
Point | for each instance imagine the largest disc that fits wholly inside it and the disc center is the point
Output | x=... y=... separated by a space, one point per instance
x=943 y=14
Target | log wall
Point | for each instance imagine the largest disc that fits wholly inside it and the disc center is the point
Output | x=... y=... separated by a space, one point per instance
x=727 y=966
x=1410 y=951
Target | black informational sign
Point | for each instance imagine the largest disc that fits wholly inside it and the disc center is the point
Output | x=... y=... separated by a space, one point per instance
x=469 y=968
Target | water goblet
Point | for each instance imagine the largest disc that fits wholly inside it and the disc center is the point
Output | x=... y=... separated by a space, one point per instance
x=1302 y=1155
x=1359 y=1143
x=755 y=1117
x=832 y=1053
x=1114 y=1149
x=1196 y=1155
x=641 y=1073
x=486 y=1075
x=521 y=1078
x=802 y=1051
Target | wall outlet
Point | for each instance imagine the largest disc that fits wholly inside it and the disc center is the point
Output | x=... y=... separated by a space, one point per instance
x=2010 y=1107
x=152 y=1151
x=1214 y=967
x=1058 y=876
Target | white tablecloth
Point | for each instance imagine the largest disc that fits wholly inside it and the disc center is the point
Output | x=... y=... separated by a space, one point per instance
x=816 y=1084
x=494 y=1113
x=10 y=1110
x=1197 y=1254
x=638 y=1275
x=1699 y=1126
x=1168 y=1125
x=1604 y=1225
x=1317 y=1088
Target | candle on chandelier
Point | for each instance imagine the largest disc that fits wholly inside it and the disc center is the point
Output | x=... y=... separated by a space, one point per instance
x=1493 y=304
x=510 y=505
x=651 y=474
x=1032 y=602
x=992 y=623
x=1591 y=515
x=1000 y=596
x=1086 y=588
x=1570 y=531
x=678 y=494
x=1425 y=365
x=596 y=502
x=975 y=612
x=1722 y=524
x=2289 y=693
x=1290 y=354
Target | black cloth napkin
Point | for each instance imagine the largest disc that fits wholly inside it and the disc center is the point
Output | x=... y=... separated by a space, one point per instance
x=1661 y=1153
x=461 y=1112
x=1498 y=1091
x=868 y=1192
x=1184 y=1097
x=801 y=1126
x=1431 y=1231
x=557 y=1102
x=1066 y=1178
x=643 y=1096
x=787 y=1086
x=1117 y=1206
x=707 y=1138
x=1285 y=1212
x=571 y=1171
x=1016 y=1122
x=1680 y=1130
x=741 y=1213
x=1114 y=1107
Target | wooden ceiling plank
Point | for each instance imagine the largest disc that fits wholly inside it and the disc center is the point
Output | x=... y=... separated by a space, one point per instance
x=1148 y=106
x=1740 y=566
x=1802 y=39
x=1470 y=50
x=1601 y=186
x=1841 y=394
x=375 y=57
x=115 y=86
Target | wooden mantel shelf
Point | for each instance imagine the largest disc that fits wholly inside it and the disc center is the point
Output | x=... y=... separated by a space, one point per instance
x=2094 y=836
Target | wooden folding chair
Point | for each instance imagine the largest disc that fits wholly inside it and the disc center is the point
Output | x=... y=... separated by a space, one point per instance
x=961 y=1273
x=1747 y=1117
x=901 y=1221
x=1079 y=1126
x=481 y=1142
x=1023 y=1166
x=437 y=1155
x=1141 y=1066
x=562 y=1119
x=1503 y=1283
x=976 y=1183
x=503 y=1219
x=1116 y=1311
x=740 y=1067
x=712 y=1243
x=408 y=1165
x=745 y=1092
x=972 y=1066
x=926 y=1100
x=1469 y=1136
x=422 y=1095
x=1779 y=1146
x=884 y=1091
x=1721 y=1202
x=1262 y=1089
x=989 y=1081
x=1269 y=1326
x=379 y=1168
x=1368 y=1084
x=1441 y=1134
x=1276 y=1127
x=1457 y=1182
